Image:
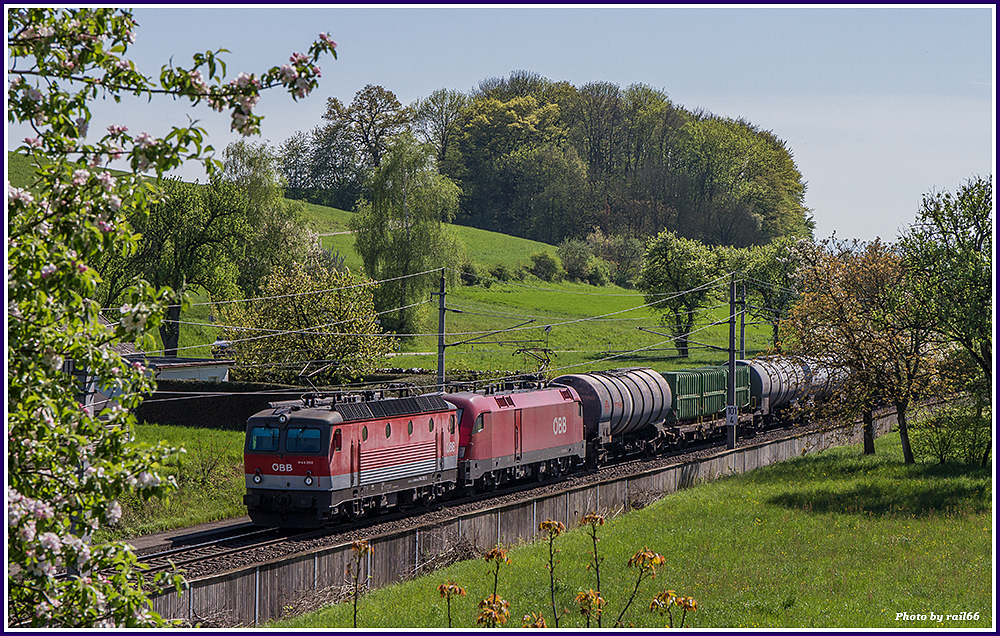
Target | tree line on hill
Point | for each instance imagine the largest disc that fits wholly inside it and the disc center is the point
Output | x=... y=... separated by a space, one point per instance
x=550 y=161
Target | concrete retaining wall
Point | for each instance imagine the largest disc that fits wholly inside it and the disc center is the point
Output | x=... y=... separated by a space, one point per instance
x=257 y=594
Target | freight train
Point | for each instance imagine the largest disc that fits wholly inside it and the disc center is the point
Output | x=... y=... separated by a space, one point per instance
x=325 y=458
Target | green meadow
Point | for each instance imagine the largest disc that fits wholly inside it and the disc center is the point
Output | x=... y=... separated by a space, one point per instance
x=831 y=540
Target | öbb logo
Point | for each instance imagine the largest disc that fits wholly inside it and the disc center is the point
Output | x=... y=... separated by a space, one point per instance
x=559 y=425
x=281 y=468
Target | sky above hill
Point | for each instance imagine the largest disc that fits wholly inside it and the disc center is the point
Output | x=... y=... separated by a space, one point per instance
x=878 y=105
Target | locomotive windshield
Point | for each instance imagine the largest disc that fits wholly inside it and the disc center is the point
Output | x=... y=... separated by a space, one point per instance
x=302 y=440
x=263 y=439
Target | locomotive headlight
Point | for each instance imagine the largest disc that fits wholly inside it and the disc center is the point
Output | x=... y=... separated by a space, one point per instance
x=309 y=478
x=256 y=476
x=282 y=418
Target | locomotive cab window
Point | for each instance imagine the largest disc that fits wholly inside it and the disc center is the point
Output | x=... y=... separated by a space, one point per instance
x=430 y=425
x=303 y=440
x=451 y=427
x=263 y=439
x=338 y=440
x=478 y=424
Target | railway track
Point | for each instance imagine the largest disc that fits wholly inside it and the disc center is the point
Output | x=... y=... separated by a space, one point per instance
x=263 y=544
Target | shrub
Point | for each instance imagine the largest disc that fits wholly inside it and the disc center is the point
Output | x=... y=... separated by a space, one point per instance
x=576 y=257
x=957 y=433
x=546 y=266
x=469 y=274
x=600 y=273
x=502 y=273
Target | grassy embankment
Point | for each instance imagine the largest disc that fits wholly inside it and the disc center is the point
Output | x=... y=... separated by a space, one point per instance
x=832 y=540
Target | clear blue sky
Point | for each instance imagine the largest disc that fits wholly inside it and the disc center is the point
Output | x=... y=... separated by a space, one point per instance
x=878 y=105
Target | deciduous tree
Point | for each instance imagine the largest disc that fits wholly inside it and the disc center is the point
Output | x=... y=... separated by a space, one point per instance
x=677 y=279
x=313 y=321
x=374 y=117
x=858 y=313
x=399 y=229
x=66 y=466
x=950 y=247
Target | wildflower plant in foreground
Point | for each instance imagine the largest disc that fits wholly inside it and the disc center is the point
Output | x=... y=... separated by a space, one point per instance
x=591 y=605
x=361 y=549
x=447 y=590
x=493 y=609
x=553 y=529
x=665 y=601
x=645 y=561
x=592 y=520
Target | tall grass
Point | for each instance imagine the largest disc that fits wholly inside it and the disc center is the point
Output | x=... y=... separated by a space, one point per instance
x=210 y=480
x=832 y=540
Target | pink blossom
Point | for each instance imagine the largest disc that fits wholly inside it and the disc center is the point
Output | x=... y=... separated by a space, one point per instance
x=80 y=177
x=27 y=531
x=302 y=87
x=288 y=73
x=106 y=180
x=325 y=37
x=48 y=270
x=113 y=513
x=34 y=94
x=117 y=130
x=33 y=142
x=50 y=541
x=144 y=140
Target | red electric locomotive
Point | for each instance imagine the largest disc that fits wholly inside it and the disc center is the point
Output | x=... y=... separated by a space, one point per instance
x=311 y=462
x=514 y=435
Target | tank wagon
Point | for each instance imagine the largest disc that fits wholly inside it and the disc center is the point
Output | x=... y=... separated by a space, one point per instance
x=321 y=459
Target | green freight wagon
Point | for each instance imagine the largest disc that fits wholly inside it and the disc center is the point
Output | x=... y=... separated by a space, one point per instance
x=685 y=391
